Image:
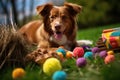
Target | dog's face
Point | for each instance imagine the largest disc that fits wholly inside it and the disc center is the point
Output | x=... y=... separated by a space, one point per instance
x=60 y=20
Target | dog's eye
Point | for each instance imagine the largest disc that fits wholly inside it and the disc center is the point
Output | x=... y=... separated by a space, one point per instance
x=63 y=16
x=52 y=17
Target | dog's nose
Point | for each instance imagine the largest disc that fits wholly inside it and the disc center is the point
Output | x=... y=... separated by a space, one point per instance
x=57 y=26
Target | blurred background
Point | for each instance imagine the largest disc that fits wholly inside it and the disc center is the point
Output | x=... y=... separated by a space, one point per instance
x=94 y=13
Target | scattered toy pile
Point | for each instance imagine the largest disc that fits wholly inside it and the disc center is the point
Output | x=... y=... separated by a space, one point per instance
x=52 y=58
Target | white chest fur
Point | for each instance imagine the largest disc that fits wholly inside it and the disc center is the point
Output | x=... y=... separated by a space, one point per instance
x=62 y=41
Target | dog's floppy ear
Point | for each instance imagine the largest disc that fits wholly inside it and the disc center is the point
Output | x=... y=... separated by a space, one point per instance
x=74 y=9
x=44 y=9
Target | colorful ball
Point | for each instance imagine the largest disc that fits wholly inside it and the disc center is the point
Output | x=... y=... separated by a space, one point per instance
x=81 y=62
x=69 y=54
x=51 y=65
x=95 y=50
x=110 y=53
x=109 y=58
x=59 y=75
x=60 y=55
x=61 y=50
x=88 y=55
x=103 y=54
x=78 y=52
x=18 y=73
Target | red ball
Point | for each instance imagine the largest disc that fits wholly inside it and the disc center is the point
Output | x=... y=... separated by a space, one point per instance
x=78 y=52
x=109 y=58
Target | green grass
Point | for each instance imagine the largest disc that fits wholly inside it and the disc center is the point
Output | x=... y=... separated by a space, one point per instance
x=94 y=33
x=94 y=70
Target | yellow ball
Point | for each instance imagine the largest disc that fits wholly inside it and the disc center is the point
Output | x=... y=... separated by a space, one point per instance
x=60 y=55
x=18 y=73
x=110 y=53
x=51 y=65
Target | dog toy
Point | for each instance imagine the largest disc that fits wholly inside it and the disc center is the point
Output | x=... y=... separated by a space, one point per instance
x=95 y=50
x=18 y=73
x=110 y=39
x=81 y=62
x=61 y=50
x=110 y=52
x=103 y=54
x=59 y=75
x=109 y=58
x=78 y=52
x=60 y=55
x=88 y=55
x=51 y=65
x=69 y=54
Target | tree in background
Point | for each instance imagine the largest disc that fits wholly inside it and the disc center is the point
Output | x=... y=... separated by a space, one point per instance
x=4 y=9
x=23 y=11
x=11 y=7
x=98 y=12
x=114 y=12
x=95 y=12
x=14 y=11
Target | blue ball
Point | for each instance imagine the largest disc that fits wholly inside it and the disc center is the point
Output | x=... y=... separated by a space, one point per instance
x=59 y=75
x=88 y=55
x=62 y=51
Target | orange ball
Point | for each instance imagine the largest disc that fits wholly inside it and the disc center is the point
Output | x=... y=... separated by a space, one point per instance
x=69 y=54
x=109 y=58
x=18 y=73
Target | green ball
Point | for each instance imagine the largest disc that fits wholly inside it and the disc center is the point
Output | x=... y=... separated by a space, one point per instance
x=51 y=65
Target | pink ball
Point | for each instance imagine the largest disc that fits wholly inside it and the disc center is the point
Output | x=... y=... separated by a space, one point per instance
x=78 y=52
x=109 y=58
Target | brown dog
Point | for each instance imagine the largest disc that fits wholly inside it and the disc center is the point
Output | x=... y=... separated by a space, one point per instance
x=58 y=27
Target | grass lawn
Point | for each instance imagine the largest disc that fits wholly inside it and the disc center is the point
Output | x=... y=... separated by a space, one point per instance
x=94 y=33
x=94 y=70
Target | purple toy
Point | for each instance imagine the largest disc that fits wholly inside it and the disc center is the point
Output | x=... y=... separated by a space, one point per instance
x=95 y=50
x=81 y=62
x=103 y=54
